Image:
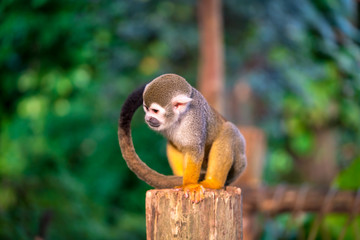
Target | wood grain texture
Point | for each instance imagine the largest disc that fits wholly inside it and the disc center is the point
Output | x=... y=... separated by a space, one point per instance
x=169 y=215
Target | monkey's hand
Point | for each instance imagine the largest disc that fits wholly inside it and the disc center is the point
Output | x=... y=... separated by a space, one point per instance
x=194 y=191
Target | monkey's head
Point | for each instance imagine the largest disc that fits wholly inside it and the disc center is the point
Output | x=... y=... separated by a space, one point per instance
x=165 y=99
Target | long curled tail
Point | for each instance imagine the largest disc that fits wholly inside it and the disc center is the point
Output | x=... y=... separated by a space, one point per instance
x=143 y=171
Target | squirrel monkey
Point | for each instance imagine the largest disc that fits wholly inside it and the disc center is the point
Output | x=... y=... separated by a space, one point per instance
x=200 y=140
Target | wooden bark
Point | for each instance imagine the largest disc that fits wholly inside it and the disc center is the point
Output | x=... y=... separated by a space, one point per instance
x=169 y=215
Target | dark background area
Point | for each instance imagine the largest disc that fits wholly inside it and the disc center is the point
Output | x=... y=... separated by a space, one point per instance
x=67 y=66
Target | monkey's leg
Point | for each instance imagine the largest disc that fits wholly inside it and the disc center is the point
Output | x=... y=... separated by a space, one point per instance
x=176 y=160
x=221 y=157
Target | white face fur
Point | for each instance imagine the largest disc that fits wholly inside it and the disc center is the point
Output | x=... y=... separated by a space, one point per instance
x=156 y=117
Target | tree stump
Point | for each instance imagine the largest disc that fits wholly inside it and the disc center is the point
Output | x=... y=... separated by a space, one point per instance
x=169 y=215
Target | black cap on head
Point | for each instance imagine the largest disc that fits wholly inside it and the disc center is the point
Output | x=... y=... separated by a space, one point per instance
x=163 y=88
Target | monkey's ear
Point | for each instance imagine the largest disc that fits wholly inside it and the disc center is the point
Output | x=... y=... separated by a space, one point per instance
x=180 y=102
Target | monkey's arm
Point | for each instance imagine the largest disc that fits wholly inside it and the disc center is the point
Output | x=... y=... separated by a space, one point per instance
x=192 y=169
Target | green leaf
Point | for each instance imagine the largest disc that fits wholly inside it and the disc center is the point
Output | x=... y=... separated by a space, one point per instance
x=349 y=178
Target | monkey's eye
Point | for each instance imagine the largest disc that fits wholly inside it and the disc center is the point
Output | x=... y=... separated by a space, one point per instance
x=155 y=110
x=147 y=109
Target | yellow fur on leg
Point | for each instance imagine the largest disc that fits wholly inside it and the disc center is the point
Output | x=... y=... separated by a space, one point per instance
x=176 y=160
x=220 y=159
x=212 y=183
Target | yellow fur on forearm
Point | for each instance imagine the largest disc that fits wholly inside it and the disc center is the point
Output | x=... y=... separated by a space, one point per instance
x=192 y=170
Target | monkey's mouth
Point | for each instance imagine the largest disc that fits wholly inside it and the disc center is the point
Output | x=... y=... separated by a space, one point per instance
x=153 y=122
x=154 y=125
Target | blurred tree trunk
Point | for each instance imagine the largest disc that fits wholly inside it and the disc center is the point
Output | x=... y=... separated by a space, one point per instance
x=211 y=85
x=211 y=67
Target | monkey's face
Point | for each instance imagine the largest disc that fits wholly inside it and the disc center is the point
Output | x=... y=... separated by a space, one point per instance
x=154 y=116
x=160 y=118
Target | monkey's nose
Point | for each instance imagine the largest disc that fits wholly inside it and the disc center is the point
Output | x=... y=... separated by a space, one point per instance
x=153 y=122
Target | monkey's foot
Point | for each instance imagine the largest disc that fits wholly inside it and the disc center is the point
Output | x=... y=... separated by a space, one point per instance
x=194 y=191
x=212 y=183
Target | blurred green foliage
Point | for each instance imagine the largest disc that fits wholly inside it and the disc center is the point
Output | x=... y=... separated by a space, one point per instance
x=302 y=59
x=67 y=66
